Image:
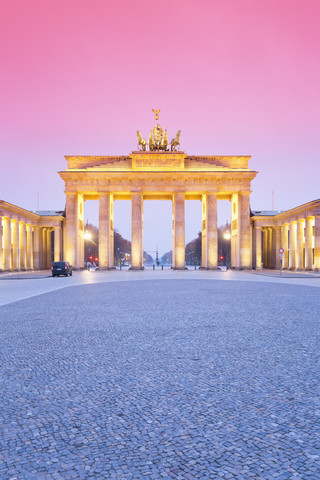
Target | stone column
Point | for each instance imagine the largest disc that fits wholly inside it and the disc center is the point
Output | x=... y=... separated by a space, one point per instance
x=316 y=243
x=111 y=235
x=23 y=245
x=104 y=231
x=292 y=245
x=15 y=244
x=36 y=248
x=299 y=246
x=269 y=247
x=44 y=249
x=29 y=247
x=204 y=260
x=235 y=225
x=244 y=230
x=71 y=250
x=278 y=246
x=1 y=249
x=179 y=231
x=258 y=247
x=308 y=244
x=209 y=232
x=6 y=243
x=57 y=244
x=285 y=245
x=48 y=259
x=137 y=231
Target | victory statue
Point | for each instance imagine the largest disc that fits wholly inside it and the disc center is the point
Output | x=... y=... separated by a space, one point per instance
x=158 y=138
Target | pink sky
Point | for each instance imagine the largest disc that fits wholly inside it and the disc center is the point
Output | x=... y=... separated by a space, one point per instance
x=236 y=76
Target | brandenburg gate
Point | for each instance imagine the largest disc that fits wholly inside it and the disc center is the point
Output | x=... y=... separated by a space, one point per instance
x=159 y=174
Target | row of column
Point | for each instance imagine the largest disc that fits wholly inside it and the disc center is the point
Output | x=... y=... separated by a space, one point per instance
x=240 y=246
x=300 y=240
x=24 y=246
x=240 y=252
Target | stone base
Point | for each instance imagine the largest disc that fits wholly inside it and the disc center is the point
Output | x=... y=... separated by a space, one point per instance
x=136 y=269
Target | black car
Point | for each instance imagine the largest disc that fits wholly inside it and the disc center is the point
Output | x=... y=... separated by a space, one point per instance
x=61 y=268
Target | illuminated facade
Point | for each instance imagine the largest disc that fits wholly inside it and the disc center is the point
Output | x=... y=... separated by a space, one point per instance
x=150 y=175
x=29 y=240
x=297 y=231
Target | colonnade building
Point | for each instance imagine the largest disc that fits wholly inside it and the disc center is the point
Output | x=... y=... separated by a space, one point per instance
x=29 y=240
x=296 y=231
x=32 y=240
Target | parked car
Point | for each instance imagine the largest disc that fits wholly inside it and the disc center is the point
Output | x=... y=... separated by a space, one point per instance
x=61 y=268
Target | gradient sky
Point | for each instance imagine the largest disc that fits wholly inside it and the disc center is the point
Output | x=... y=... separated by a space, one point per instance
x=236 y=76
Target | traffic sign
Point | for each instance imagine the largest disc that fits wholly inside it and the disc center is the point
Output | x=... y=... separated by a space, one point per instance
x=281 y=250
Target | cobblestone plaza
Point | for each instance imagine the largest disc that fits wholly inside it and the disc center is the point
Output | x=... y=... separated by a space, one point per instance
x=193 y=378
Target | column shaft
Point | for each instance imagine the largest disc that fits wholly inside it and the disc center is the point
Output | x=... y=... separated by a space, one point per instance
x=179 y=231
x=258 y=247
x=36 y=248
x=29 y=247
x=299 y=246
x=57 y=244
x=1 y=248
x=23 y=245
x=44 y=249
x=15 y=244
x=48 y=258
x=137 y=231
x=308 y=244
x=316 y=243
x=285 y=245
x=71 y=250
x=292 y=245
x=277 y=246
x=244 y=240
x=6 y=243
x=104 y=231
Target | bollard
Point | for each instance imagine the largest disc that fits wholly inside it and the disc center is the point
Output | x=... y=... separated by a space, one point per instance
x=161 y=267
x=195 y=267
x=154 y=267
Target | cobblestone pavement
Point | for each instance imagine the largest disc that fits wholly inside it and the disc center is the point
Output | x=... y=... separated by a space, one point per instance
x=176 y=379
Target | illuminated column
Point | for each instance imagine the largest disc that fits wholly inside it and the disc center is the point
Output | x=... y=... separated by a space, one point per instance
x=292 y=245
x=1 y=248
x=44 y=249
x=244 y=230
x=29 y=247
x=285 y=245
x=308 y=244
x=15 y=244
x=137 y=231
x=209 y=231
x=299 y=255
x=317 y=243
x=235 y=251
x=105 y=237
x=278 y=245
x=48 y=257
x=258 y=247
x=178 y=232
x=57 y=244
x=269 y=248
x=36 y=248
x=204 y=259
x=6 y=243
x=71 y=250
x=23 y=245
x=111 y=235
x=80 y=223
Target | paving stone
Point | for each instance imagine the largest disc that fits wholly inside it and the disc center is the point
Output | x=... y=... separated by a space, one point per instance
x=176 y=379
